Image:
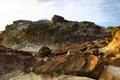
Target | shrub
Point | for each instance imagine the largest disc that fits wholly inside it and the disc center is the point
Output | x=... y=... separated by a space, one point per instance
x=110 y=27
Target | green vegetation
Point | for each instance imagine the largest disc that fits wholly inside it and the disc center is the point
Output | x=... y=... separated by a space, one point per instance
x=110 y=27
x=55 y=73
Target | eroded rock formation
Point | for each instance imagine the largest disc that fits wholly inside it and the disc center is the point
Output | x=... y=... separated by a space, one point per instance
x=80 y=50
x=54 y=32
x=113 y=48
x=11 y=60
x=112 y=52
x=78 y=59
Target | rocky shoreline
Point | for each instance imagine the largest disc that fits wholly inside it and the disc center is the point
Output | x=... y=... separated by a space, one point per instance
x=81 y=56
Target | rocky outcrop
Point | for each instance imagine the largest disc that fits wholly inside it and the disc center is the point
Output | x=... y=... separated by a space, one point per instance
x=54 y=32
x=78 y=59
x=114 y=46
x=78 y=49
x=112 y=52
x=57 y=19
x=11 y=60
x=75 y=64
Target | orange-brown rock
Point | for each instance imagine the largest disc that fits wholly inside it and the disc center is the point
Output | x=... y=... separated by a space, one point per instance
x=114 y=46
x=77 y=64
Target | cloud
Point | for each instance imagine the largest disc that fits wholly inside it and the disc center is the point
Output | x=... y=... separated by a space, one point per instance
x=111 y=8
x=92 y=10
x=83 y=10
x=98 y=1
x=22 y=9
x=44 y=1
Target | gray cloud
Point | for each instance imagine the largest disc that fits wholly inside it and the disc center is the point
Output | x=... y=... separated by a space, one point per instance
x=111 y=8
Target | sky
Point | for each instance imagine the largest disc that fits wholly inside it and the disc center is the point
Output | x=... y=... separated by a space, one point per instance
x=102 y=12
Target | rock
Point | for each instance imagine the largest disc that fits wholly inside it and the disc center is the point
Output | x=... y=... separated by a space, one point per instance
x=57 y=18
x=87 y=47
x=56 y=31
x=75 y=64
x=93 y=51
x=43 y=52
x=78 y=46
x=109 y=54
x=92 y=62
x=110 y=73
x=58 y=52
x=113 y=46
x=75 y=27
x=33 y=76
x=115 y=30
x=116 y=62
x=101 y=43
x=11 y=60
x=22 y=22
x=112 y=69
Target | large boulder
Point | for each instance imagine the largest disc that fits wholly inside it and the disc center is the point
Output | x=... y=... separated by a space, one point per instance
x=57 y=18
x=11 y=60
x=43 y=52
